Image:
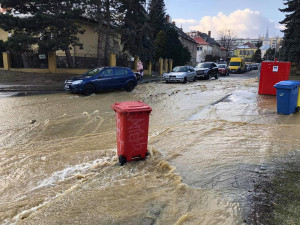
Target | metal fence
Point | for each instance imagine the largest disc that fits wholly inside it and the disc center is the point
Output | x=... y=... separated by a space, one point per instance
x=124 y=61
x=33 y=60
x=79 y=61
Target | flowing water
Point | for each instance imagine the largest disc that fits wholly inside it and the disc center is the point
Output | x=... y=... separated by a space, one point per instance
x=209 y=142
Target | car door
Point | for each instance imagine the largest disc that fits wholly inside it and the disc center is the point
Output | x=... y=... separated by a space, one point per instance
x=105 y=80
x=191 y=73
x=121 y=76
x=214 y=69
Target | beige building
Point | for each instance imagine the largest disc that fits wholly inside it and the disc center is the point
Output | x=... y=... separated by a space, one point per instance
x=273 y=42
x=188 y=42
x=88 y=51
x=3 y=35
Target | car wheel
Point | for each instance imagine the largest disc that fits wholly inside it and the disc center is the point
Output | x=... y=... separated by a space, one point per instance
x=122 y=160
x=217 y=76
x=129 y=86
x=207 y=77
x=195 y=78
x=184 y=80
x=89 y=89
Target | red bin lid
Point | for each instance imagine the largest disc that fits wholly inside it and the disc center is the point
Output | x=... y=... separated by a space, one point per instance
x=135 y=106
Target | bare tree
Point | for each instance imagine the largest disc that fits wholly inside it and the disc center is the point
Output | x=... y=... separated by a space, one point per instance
x=227 y=40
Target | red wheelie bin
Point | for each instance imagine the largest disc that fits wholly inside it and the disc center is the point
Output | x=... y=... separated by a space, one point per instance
x=132 y=119
x=272 y=73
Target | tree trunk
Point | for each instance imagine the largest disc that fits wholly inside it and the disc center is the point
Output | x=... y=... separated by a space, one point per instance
x=107 y=36
x=25 y=61
x=106 y=50
x=69 y=58
x=99 y=50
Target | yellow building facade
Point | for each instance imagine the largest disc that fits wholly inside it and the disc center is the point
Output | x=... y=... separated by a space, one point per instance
x=3 y=35
x=245 y=51
x=89 y=42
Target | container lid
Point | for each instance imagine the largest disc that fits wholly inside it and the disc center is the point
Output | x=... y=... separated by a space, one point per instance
x=287 y=84
x=135 y=106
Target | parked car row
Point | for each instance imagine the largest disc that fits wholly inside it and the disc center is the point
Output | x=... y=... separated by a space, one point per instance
x=206 y=70
x=188 y=73
x=104 y=78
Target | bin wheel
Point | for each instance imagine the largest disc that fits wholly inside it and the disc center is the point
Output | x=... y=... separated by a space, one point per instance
x=297 y=109
x=122 y=160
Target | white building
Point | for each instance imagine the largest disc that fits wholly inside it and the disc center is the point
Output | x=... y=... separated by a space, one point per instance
x=203 y=49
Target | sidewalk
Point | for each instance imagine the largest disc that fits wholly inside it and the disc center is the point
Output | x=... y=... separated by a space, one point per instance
x=149 y=78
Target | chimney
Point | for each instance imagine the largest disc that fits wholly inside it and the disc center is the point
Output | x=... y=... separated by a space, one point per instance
x=209 y=33
x=174 y=23
x=168 y=19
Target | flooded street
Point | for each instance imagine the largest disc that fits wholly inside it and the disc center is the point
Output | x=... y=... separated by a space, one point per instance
x=213 y=145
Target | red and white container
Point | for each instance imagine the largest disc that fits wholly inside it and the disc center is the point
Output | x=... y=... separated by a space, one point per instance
x=132 y=120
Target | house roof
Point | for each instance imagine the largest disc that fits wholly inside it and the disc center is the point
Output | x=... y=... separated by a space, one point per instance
x=247 y=45
x=208 y=39
x=183 y=35
x=200 y=41
x=265 y=47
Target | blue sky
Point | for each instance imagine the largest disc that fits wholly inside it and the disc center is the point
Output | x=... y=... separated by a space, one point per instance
x=244 y=18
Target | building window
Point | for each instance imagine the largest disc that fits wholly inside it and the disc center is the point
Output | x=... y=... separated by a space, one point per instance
x=199 y=48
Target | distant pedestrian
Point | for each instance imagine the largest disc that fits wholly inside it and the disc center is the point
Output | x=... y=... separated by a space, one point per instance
x=140 y=68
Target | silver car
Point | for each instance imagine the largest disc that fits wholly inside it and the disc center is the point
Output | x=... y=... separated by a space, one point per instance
x=181 y=74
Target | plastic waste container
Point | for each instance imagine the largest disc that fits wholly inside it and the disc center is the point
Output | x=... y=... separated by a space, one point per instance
x=287 y=95
x=272 y=73
x=132 y=119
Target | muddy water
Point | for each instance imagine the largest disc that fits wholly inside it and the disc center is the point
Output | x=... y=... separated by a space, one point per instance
x=208 y=140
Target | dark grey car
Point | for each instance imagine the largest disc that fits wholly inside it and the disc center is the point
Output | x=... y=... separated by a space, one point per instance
x=207 y=70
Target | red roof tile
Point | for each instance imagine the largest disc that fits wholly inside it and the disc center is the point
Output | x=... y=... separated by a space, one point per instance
x=250 y=45
x=200 y=41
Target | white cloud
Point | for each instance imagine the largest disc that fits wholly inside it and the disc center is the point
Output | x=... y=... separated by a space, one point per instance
x=183 y=21
x=243 y=23
x=280 y=26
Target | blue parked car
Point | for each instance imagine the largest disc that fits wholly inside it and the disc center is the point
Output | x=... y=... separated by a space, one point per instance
x=103 y=78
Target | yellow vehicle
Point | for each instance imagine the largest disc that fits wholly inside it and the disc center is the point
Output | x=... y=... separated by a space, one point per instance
x=237 y=65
